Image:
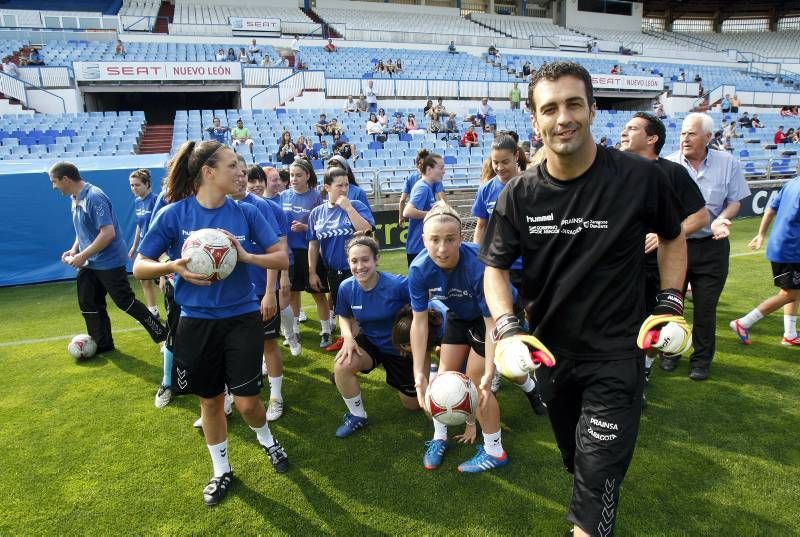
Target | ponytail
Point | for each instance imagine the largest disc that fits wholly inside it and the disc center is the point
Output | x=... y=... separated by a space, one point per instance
x=184 y=168
x=142 y=174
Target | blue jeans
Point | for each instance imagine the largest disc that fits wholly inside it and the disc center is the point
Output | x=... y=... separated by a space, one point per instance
x=372 y=108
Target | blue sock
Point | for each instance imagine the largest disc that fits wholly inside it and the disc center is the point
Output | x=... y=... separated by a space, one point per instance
x=167 y=380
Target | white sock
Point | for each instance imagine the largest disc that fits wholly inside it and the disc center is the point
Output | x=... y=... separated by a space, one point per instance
x=296 y=325
x=154 y=310
x=493 y=444
x=751 y=318
x=648 y=362
x=790 y=326
x=439 y=430
x=264 y=435
x=287 y=320
x=219 y=458
x=333 y=320
x=326 y=326
x=275 y=385
x=355 y=406
x=528 y=386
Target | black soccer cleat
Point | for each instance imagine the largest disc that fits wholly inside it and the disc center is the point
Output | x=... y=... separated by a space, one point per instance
x=277 y=457
x=537 y=404
x=217 y=489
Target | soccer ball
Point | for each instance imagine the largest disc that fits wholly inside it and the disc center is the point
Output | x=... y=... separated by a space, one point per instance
x=452 y=398
x=210 y=253
x=82 y=347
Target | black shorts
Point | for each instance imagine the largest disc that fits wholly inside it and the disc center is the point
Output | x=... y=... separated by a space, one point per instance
x=299 y=273
x=335 y=279
x=173 y=310
x=786 y=275
x=652 y=285
x=460 y=332
x=210 y=353
x=272 y=326
x=411 y=257
x=399 y=370
x=594 y=408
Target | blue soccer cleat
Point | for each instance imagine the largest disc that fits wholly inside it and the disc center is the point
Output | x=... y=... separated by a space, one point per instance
x=435 y=454
x=350 y=425
x=482 y=461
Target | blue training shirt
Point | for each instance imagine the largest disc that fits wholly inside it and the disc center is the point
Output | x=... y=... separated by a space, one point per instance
x=355 y=192
x=412 y=179
x=460 y=289
x=258 y=275
x=143 y=208
x=298 y=207
x=375 y=309
x=422 y=198
x=784 y=241
x=92 y=210
x=483 y=207
x=235 y=295
x=331 y=226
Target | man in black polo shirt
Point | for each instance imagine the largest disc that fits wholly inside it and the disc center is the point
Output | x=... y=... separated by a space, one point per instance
x=579 y=219
x=645 y=135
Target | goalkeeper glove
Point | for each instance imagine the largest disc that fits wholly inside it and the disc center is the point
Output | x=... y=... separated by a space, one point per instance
x=666 y=329
x=516 y=353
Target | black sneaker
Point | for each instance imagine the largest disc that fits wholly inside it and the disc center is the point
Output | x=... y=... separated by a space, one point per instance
x=217 y=489
x=669 y=363
x=699 y=373
x=277 y=457
x=535 y=399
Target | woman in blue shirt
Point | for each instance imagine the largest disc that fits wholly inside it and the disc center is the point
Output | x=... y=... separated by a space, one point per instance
x=422 y=198
x=330 y=226
x=143 y=208
x=354 y=192
x=367 y=304
x=219 y=336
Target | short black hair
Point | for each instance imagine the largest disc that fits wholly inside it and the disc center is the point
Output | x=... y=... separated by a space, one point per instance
x=554 y=71
x=654 y=127
x=65 y=169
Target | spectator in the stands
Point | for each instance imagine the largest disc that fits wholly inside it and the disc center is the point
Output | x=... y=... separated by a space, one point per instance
x=231 y=57
x=397 y=124
x=383 y=119
x=300 y=65
x=615 y=69
x=390 y=68
x=373 y=127
x=398 y=65
x=604 y=141
x=295 y=46
x=682 y=77
x=485 y=111
x=301 y=146
x=35 y=58
x=730 y=130
x=441 y=109
x=220 y=56
x=119 y=50
x=785 y=111
x=745 y=121
x=266 y=61
x=451 y=48
x=343 y=149
x=324 y=152
x=451 y=125
x=254 y=49
x=428 y=107
x=595 y=50
x=9 y=67
x=330 y=47
x=379 y=67
x=717 y=142
x=334 y=128
x=493 y=50
x=515 y=96
x=735 y=104
x=286 y=149
x=321 y=126
x=372 y=98
x=780 y=136
x=244 y=57
x=795 y=111
x=796 y=137
x=725 y=105
x=470 y=138
x=411 y=124
x=757 y=122
x=217 y=132
x=241 y=135
x=350 y=105
x=658 y=110
x=434 y=125
x=698 y=78
x=526 y=69
x=789 y=136
x=362 y=103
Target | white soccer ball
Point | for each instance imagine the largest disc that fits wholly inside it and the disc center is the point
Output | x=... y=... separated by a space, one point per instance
x=452 y=398
x=211 y=253
x=82 y=347
x=673 y=339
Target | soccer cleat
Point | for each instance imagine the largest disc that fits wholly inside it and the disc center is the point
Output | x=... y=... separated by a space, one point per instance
x=496 y=382
x=228 y=403
x=336 y=345
x=217 y=488
x=668 y=363
x=163 y=396
x=482 y=461
x=324 y=341
x=302 y=317
x=277 y=457
x=537 y=404
x=274 y=409
x=350 y=425
x=698 y=373
x=198 y=424
x=741 y=332
x=435 y=454
x=294 y=345
x=791 y=342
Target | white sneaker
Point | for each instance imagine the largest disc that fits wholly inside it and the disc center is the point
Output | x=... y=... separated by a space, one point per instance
x=496 y=382
x=294 y=345
x=302 y=317
x=198 y=424
x=228 y=404
x=163 y=396
x=274 y=409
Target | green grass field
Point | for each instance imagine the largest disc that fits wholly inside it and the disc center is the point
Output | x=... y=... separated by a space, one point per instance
x=85 y=451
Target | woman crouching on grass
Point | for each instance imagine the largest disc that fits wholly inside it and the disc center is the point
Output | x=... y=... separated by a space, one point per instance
x=219 y=338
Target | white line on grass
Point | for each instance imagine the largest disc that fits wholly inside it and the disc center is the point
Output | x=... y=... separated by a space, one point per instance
x=56 y=338
x=748 y=253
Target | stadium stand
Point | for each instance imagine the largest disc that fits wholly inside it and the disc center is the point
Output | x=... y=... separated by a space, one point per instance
x=521 y=27
x=340 y=19
x=140 y=8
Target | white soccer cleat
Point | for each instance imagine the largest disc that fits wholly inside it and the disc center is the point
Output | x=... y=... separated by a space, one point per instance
x=198 y=424
x=302 y=317
x=163 y=396
x=294 y=345
x=274 y=409
x=496 y=382
x=228 y=403
x=264 y=366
